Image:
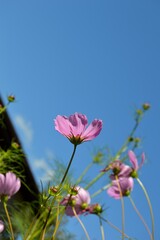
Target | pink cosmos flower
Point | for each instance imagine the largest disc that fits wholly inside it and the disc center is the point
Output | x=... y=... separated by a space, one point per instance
x=121 y=187
x=1 y=226
x=75 y=128
x=9 y=184
x=119 y=169
x=79 y=201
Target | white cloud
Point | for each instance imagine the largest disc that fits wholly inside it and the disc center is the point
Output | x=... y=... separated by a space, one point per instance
x=25 y=128
x=47 y=172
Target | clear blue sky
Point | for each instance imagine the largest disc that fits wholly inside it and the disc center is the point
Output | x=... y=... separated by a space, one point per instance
x=100 y=58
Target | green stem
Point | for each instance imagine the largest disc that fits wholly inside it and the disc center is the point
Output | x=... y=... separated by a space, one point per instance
x=100 y=190
x=101 y=228
x=9 y=220
x=140 y=216
x=59 y=188
x=149 y=204
x=57 y=223
x=124 y=146
x=82 y=225
x=95 y=180
x=123 y=219
x=68 y=167
x=122 y=206
x=113 y=226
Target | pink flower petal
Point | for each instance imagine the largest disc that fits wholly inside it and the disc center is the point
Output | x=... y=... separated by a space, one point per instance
x=62 y=125
x=133 y=159
x=92 y=130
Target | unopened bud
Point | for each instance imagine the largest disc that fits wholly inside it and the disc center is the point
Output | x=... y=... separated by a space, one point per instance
x=127 y=193
x=139 y=112
x=97 y=209
x=53 y=190
x=146 y=106
x=15 y=145
x=72 y=202
x=84 y=205
x=130 y=139
x=137 y=140
x=11 y=98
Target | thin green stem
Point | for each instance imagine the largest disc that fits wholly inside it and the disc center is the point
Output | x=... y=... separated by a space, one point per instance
x=100 y=190
x=113 y=226
x=82 y=225
x=68 y=167
x=57 y=223
x=140 y=216
x=149 y=204
x=101 y=228
x=59 y=188
x=45 y=225
x=95 y=180
x=9 y=220
x=124 y=146
x=122 y=206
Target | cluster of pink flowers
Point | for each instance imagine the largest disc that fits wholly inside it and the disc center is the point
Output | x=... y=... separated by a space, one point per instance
x=79 y=201
x=75 y=129
x=122 y=176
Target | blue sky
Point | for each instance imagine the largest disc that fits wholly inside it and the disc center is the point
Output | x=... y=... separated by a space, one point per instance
x=100 y=58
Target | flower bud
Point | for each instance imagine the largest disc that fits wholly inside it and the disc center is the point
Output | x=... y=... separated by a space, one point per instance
x=11 y=98
x=130 y=139
x=127 y=193
x=97 y=209
x=139 y=112
x=84 y=205
x=53 y=190
x=146 y=106
x=72 y=202
x=15 y=145
x=137 y=140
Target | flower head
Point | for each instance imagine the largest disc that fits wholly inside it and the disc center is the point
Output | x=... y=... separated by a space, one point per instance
x=119 y=169
x=121 y=187
x=79 y=202
x=75 y=128
x=9 y=184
